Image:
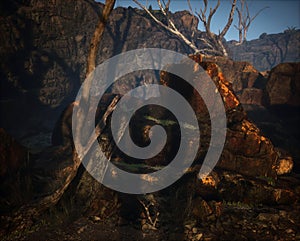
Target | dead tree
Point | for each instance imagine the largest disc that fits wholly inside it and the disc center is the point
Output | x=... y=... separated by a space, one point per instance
x=32 y=210
x=164 y=8
x=214 y=41
x=245 y=20
x=91 y=63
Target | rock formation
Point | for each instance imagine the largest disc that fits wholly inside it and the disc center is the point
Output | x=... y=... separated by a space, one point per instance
x=44 y=48
x=43 y=51
x=269 y=50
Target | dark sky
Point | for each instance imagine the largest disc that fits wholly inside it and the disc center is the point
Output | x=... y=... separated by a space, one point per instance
x=279 y=16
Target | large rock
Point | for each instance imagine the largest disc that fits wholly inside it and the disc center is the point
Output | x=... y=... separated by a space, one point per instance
x=270 y=100
x=247 y=82
x=284 y=85
x=44 y=45
x=269 y=50
x=246 y=150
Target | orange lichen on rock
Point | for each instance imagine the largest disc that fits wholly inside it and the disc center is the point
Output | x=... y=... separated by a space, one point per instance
x=229 y=98
x=246 y=151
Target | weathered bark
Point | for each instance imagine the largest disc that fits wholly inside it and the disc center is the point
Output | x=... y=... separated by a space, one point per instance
x=23 y=217
x=94 y=46
x=91 y=63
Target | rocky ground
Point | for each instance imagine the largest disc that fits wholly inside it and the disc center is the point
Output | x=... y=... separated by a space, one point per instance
x=228 y=221
x=252 y=194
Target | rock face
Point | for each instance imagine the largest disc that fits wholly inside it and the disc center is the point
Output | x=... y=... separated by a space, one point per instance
x=283 y=85
x=44 y=46
x=284 y=104
x=246 y=151
x=271 y=100
x=247 y=82
x=42 y=58
x=269 y=50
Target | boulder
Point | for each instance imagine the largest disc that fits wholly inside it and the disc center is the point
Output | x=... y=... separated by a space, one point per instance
x=252 y=96
x=246 y=150
x=283 y=85
x=248 y=83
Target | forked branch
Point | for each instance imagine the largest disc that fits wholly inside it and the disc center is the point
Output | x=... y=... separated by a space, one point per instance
x=215 y=40
x=245 y=19
x=171 y=26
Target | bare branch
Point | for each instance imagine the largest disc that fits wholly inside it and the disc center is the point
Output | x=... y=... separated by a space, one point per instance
x=206 y=42
x=229 y=21
x=91 y=63
x=216 y=39
x=211 y=14
x=202 y=16
x=151 y=221
x=240 y=24
x=245 y=19
x=190 y=7
x=166 y=5
x=251 y=20
x=172 y=28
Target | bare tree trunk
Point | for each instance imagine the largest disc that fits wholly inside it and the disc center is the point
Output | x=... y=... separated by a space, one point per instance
x=240 y=23
x=26 y=213
x=245 y=20
x=91 y=61
x=241 y=36
x=245 y=34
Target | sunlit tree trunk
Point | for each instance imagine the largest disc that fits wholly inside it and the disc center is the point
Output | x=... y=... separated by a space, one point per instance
x=30 y=211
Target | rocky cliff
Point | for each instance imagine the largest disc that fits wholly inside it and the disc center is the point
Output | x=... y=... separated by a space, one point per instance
x=44 y=46
x=269 y=50
x=43 y=54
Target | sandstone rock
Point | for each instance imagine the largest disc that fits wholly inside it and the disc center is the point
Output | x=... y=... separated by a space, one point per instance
x=247 y=83
x=240 y=74
x=284 y=166
x=49 y=71
x=53 y=42
x=44 y=47
x=246 y=150
x=283 y=86
x=252 y=96
x=269 y=50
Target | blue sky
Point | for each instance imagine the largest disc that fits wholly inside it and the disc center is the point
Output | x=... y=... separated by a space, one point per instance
x=279 y=16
